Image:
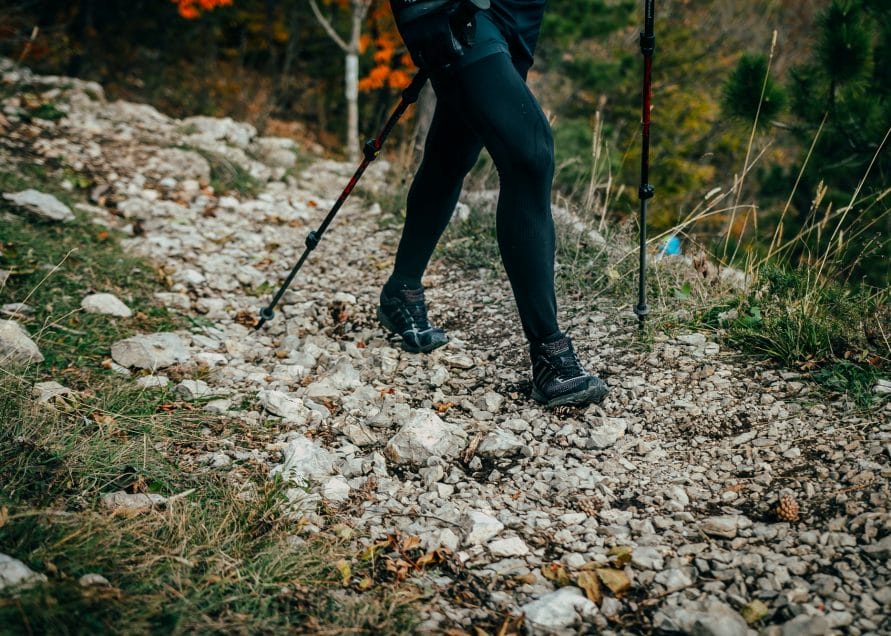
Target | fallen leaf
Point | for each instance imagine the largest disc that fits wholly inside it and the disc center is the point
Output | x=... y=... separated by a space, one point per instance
x=4 y=515
x=246 y=318
x=345 y=570
x=557 y=573
x=104 y=420
x=589 y=582
x=621 y=555
x=366 y=583
x=616 y=580
x=102 y=235
x=442 y=407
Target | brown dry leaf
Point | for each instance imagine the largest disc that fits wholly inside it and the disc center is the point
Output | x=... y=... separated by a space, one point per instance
x=480 y=632
x=525 y=579
x=410 y=543
x=511 y=625
x=621 y=555
x=557 y=573
x=454 y=631
x=589 y=582
x=246 y=318
x=102 y=235
x=442 y=407
x=104 y=420
x=346 y=572
x=4 y=515
x=366 y=583
x=616 y=580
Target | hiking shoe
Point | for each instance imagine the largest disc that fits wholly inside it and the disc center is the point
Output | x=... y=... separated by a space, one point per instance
x=405 y=314
x=558 y=377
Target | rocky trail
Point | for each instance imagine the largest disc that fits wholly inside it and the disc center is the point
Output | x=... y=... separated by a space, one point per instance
x=708 y=494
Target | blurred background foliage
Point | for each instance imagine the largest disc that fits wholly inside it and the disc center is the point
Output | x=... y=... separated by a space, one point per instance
x=814 y=166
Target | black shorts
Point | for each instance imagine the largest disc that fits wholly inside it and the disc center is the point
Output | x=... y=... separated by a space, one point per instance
x=509 y=27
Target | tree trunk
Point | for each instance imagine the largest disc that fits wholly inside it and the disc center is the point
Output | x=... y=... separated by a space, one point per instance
x=352 y=98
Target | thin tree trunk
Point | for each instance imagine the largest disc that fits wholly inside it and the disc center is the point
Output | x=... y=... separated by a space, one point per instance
x=351 y=63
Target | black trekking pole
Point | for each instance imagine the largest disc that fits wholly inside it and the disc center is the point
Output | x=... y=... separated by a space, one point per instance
x=646 y=191
x=371 y=150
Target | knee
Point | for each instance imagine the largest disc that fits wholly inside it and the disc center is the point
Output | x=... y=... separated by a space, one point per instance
x=531 y=158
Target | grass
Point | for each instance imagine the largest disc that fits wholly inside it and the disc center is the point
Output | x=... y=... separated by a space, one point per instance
x=209 y=562
x=838 y=333
x=212 y=560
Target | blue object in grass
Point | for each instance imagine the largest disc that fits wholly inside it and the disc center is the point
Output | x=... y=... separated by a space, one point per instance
x=671 y=247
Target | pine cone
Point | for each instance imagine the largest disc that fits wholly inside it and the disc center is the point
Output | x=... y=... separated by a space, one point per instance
x=787 y=508
x=589 y=505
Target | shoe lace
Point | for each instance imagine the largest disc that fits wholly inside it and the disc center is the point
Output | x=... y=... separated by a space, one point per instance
x=416 y=309
x=563 y=365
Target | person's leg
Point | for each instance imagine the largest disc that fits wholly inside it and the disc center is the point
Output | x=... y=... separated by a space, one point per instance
x=493 y=99
x=496 y=104
x=450 y=152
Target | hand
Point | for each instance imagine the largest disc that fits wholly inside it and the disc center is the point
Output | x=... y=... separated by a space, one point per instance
x=437 y=32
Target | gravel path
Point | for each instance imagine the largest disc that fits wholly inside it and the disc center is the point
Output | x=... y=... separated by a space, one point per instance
x=666 y=495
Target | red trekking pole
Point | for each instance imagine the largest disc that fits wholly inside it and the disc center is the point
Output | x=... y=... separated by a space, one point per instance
x=646 y=191
x=371 y=150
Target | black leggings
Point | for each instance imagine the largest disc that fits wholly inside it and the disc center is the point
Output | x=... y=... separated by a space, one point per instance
x=488 y=104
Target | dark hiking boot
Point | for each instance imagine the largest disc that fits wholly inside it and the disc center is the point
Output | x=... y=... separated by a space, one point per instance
x=405 y=314
x=558 y=377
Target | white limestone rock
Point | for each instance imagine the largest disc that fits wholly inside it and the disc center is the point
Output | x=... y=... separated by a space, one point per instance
x=132 y=502
x=558 y=610
x=304 y=461
x=46 y=206
x=107 y=304
x=16 y=346
x=15 y=575
x=424 y=436
x=152 y=351
x=290 y=408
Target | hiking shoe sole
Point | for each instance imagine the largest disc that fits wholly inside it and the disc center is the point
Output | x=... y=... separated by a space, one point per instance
x=438 y=338
x=594 y=394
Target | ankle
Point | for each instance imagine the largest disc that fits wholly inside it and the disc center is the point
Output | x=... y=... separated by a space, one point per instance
x=397 y=283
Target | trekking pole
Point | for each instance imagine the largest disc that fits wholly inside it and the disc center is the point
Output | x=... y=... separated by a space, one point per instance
x=646 y=191
x=371 y=150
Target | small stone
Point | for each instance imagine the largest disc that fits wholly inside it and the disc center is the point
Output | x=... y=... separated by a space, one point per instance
x=152 y=381
x=218 y=406
x=192 y=389
x=647 y=558
x=291 y=409
x=692 y=339
x=479 y=527
x=719 y=619
x=805 y=625
x=107 y=304
x=16 y=345
x=880 y=550
x=304 y=461
x=558 y=610
x=15 y=575
x=459 y=361
x=724 y=526
x=93 y=580
x=152 y=352
x=132 y=502
x=40 y=204
x=500 y=443
x=44 y=392
x=675 y=579
x=511 y=547
x=336 y=489
x=424 y=436
x=606 y=431
x=360 y=435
